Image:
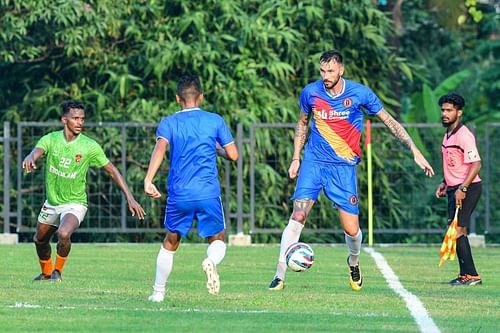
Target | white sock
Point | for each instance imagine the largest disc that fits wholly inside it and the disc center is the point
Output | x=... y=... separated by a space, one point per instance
x=164 y=263
x=290 y=235
x=354 y=246
x=216 y=251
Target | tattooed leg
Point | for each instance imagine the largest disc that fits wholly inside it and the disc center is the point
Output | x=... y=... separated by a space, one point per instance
x=291 y=234
x=301 y=209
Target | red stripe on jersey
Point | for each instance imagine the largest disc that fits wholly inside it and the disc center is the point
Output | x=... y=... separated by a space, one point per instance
x=342 y=127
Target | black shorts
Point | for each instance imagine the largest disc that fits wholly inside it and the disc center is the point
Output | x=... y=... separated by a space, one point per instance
x=468 y=204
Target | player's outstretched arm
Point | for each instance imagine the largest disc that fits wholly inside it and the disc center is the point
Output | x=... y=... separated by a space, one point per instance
x=134 y=207
x=29 y=162
x=298 y=143
x=228 y=152
x=154 y=164
x=402 y=135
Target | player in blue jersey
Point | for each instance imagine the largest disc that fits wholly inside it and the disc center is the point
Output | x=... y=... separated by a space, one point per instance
x=195 y=138
x=331 y=154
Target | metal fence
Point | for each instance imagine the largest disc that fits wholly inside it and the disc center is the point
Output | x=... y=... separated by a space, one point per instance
x=404 y=202
x=405 y=208
x=128 y=145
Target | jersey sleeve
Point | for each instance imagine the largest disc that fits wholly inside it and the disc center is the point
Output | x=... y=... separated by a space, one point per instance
x=371 y=102
x=163 y=131
x=304 y=104
x=224 y=136
x=44 y=143
x=99 y=158
x=468 y=144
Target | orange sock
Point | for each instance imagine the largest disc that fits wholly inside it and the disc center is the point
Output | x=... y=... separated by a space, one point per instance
x=46 y=266
x=60 y=261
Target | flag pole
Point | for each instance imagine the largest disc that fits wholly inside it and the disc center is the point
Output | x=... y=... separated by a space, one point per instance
x=370 y=180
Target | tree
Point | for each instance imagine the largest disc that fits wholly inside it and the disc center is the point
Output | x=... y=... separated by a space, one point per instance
x=122 y=57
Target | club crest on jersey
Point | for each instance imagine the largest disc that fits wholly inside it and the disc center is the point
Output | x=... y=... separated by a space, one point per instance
x=347 y=102
x=78 y=158
x=353 y=200
x=472 y=154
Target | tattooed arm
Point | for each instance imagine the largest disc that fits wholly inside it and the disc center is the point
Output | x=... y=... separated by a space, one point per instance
x=298 y=143
x=396 y=128
x=402 y=135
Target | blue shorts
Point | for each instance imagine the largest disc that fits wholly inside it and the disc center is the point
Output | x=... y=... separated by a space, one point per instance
x=179 y=216
x=338 y=181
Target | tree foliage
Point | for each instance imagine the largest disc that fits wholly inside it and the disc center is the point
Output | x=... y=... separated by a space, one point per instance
x=446 y=38
x=123 y=57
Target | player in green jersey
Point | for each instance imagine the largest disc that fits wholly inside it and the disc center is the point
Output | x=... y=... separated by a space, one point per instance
x=69 y=154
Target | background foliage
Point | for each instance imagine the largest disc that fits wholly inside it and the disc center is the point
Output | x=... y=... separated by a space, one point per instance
x=122 y=58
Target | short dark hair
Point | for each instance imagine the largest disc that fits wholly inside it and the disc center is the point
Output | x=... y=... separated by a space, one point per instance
x=452 y=98
x=189 y=87
x=71 y=104
x=331 y=55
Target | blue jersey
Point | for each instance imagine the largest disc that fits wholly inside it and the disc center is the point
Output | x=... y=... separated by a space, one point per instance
x=192 y=135
x=337 y=121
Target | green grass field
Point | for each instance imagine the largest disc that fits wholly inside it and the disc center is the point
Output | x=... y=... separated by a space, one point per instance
x=105 y=289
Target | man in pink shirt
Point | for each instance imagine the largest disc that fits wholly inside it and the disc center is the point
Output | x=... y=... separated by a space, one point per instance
x=461 y=184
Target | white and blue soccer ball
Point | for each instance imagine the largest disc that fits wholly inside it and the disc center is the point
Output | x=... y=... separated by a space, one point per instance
x=299 y=257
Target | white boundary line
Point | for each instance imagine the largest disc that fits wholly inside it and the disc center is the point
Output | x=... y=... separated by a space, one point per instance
x=20 y=305
x=29 y=306
x=417 y=309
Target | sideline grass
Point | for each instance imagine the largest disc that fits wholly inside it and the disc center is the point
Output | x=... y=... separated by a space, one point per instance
x=105 y=288
x=454 y=309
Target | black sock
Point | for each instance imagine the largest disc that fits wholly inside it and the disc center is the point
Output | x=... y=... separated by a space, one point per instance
x=459 y=256
x=464 y=255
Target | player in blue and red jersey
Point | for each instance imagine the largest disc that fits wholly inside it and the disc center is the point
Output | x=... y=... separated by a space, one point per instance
x=195 y=138
x=331 y=154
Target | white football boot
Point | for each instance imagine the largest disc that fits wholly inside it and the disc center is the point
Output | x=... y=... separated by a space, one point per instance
x=213 y=283
x=157 y=296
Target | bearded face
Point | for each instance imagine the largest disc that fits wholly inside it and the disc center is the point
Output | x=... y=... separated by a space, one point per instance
x=331 y=72
x=450 y=115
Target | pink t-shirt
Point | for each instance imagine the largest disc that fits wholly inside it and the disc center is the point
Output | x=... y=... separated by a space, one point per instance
x=459 y=151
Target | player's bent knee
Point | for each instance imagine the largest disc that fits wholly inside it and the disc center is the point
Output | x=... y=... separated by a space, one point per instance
x=299 y=217
x=38 y=241
x=63 y=236
x=352 y=232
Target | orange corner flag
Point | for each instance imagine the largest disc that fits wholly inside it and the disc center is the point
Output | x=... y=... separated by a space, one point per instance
x=449 y=247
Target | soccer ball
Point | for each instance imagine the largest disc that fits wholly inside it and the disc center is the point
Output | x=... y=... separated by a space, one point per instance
x=299 y=257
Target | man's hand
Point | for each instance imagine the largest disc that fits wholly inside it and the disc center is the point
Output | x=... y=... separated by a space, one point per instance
x=459 y=196
x=151 y=190
x=136 y=209
x=422 y=162
x=441 y=190
x=293 y=170
x=29 y=164
x=30 y=160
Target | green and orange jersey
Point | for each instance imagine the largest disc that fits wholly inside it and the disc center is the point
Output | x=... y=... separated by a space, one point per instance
x=66 y=166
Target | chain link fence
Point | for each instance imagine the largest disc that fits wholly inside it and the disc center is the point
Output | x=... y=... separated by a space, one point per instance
x=256 y=189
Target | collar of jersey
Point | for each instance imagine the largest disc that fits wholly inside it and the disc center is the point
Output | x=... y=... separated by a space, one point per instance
x=337 y=95
x=72 y=141
x=189 y=109
x=455 y=130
